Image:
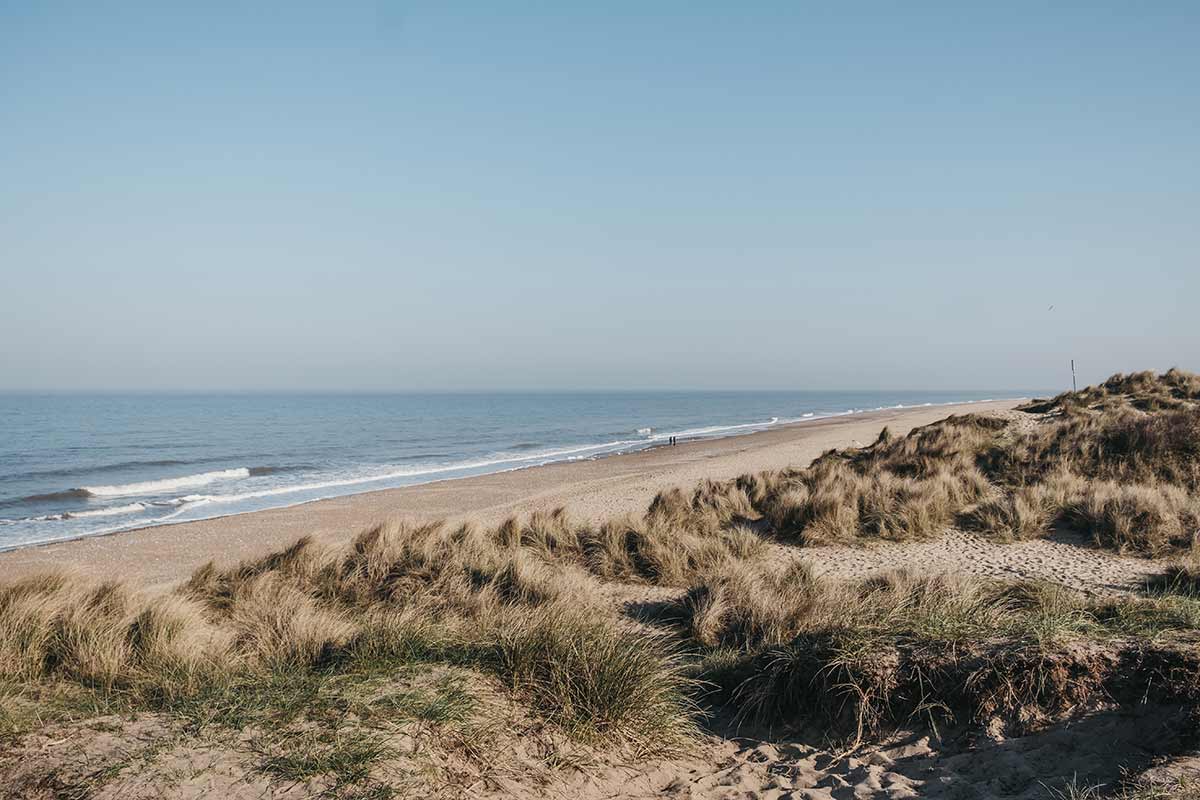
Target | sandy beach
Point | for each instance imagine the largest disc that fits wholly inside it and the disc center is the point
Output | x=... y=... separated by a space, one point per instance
x=979 y=751
x=590 y=491
x=477 y=402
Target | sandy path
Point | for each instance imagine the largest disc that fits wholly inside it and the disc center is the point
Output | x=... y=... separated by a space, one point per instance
x=1065 y=559
x=591 y=491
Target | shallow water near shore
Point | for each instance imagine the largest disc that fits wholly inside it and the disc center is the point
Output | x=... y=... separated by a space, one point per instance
x=81 y=464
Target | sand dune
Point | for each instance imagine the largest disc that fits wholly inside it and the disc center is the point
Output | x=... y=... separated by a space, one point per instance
x=1102 y=739
x=590 y=490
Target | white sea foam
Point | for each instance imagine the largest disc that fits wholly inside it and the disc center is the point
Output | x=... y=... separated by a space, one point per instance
x=645 y=431
x=94 y=532
x=167 y=484
x=714 y=429
x=112 y=511
x=517 y=461
x=132 y=508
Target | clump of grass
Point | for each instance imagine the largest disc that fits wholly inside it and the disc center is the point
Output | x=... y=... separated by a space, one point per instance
x=1148 y=519
x=1175 y=388
x=787 y=647
x=1016 y=516
x=898 y=488
x=755 y=608
x=1179 y=578
x=448 y=701
x=340 y=762
x=512 y=600
x=663 y=552
x=279 y=626
x=458 y=571
x=1119 y=444
x=103 y=635
x=597 y=681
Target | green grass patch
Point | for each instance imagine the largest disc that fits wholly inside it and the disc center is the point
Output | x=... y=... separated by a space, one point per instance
x=341 y=762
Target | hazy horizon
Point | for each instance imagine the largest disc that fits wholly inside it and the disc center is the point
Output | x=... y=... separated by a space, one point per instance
x=462 y=198
x=590 y=390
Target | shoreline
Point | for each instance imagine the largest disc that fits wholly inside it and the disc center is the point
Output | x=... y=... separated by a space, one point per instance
x=170 y=550
x=697 y=435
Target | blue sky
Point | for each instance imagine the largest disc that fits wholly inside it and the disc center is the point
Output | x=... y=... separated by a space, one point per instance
x=624 y=195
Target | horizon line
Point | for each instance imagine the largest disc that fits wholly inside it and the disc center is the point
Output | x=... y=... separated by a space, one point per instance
x=485 y=390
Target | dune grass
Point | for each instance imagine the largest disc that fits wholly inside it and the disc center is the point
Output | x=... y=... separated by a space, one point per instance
x=296 y=643
x=1124 y=471
x=1174 y=388
x=315 y=649
x=269 y=638
x=393 y=596
x=785 y=647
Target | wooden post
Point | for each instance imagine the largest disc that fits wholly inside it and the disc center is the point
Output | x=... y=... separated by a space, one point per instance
x=1074 y=388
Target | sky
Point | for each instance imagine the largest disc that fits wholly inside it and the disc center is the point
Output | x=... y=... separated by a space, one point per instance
x=418 y=196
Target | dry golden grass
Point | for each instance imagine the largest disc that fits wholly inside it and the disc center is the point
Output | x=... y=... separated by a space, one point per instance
x=788 y=647
x=897 y=489
x=1024 y=513
x=1153 y=520
x=1126 y=476
x=1175 y=388
x=1110 y=443
x=523 y=602
x=514 y=602
x=102 y=634
x=518 y=602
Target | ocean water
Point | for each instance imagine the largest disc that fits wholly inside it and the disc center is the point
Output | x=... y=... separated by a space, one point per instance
x=83 y=464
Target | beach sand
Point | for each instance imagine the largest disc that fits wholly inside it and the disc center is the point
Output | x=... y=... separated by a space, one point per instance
x=728 y=761
x=591 y=491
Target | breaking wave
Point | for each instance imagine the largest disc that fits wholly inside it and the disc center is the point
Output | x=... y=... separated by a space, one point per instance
x=165 y=485
x=132 y=508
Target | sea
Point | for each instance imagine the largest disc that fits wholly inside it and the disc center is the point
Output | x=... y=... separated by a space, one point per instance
x=83 y=464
